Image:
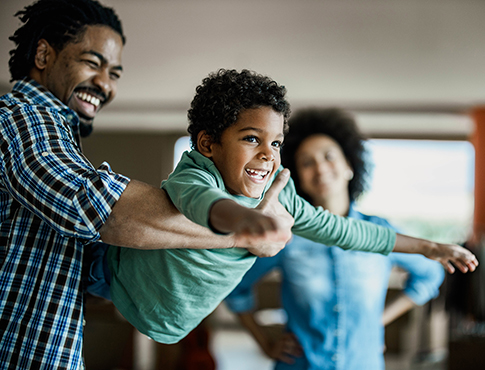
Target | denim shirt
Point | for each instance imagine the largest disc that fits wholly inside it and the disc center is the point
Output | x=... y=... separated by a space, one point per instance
x=334 y=299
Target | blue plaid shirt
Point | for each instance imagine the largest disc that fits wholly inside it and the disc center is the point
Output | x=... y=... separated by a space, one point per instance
x=52 y=203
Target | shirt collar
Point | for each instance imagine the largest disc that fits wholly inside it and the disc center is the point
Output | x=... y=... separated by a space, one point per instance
x=353 y=212
x=40 y=95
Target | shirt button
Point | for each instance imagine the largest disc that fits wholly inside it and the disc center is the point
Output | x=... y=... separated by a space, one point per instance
x=45 y=154
x=336 y=332
x=336 y=308
x=334 y=357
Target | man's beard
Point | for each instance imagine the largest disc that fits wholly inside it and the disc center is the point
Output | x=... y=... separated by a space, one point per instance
x=85 y=125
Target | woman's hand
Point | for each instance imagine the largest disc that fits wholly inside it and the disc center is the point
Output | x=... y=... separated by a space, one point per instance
x=285 y=348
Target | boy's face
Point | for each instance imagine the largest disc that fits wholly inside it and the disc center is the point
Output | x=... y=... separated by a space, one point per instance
x=249 y=151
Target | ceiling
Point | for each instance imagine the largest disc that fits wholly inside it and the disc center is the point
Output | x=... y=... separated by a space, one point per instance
x=400 y=65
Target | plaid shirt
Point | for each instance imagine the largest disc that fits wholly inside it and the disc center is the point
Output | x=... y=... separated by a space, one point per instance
x=52 y=203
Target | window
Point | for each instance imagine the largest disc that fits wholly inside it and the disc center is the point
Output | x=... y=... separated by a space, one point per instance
x=423 y=187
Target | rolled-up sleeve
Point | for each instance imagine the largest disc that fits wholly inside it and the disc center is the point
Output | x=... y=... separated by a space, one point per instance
x=424 y=276
x=44 y=170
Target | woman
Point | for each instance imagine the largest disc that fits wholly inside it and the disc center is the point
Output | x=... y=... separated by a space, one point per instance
x=334 y=299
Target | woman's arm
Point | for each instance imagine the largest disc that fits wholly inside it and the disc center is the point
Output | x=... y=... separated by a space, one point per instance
x=282 y=349
x=397 y=307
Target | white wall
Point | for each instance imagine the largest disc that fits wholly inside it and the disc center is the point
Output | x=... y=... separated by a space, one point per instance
x=359 y=54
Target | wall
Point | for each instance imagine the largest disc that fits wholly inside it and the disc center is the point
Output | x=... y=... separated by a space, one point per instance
x=144 y=156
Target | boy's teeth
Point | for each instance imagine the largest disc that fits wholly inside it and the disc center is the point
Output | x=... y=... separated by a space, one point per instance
x=256 y=173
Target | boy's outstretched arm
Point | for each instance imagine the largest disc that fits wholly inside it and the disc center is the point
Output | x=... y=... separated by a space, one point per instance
x=447 y=254
x=269 y=221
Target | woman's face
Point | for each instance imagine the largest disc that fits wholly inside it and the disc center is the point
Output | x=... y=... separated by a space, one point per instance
x=322 y=168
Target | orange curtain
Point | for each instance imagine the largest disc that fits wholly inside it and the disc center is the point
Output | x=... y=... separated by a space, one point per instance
x=478 y=141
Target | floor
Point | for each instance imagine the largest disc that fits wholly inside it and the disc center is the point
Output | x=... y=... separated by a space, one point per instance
x=234 y=349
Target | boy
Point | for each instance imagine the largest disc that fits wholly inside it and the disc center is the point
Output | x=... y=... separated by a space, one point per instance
x=237 y=125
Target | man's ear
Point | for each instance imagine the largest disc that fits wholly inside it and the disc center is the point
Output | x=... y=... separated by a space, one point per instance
x=204 y=144
x=43 y=54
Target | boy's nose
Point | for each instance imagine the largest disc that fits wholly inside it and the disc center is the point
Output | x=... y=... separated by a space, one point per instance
x=267 y=155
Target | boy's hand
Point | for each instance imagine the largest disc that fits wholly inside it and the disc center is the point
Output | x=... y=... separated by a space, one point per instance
x=446 y=254
x=450 y=254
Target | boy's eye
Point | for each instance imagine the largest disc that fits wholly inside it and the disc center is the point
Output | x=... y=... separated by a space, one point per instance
x=277 y=144
x=251 y=139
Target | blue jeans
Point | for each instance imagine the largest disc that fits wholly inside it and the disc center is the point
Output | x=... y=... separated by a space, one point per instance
x=99 y=277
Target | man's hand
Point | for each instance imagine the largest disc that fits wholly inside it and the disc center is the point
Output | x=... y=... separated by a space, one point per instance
x=274 y=226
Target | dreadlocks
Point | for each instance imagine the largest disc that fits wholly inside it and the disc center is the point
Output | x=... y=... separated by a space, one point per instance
x=59 y=22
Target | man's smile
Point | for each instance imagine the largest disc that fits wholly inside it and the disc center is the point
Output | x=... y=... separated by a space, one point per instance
x=88 y=98
x=88 y=101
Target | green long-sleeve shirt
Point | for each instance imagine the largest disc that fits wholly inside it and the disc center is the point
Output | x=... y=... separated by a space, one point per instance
x=166 y=293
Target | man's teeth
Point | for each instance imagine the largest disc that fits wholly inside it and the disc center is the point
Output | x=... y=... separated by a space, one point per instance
x=88 y=98
x=257 y=173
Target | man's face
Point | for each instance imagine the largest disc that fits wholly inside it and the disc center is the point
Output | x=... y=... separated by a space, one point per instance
x=84 y=75
x=249 y=151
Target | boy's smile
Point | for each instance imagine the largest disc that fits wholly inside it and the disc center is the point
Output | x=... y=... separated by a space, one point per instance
x=249 y=151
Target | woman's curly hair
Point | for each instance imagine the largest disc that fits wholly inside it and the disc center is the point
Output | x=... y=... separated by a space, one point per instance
x=59 y=22
x=338 y=125
x=225 y=93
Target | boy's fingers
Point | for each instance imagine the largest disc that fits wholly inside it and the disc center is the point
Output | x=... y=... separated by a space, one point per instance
x=278 y=184
x=462 y=267
x=448 y=267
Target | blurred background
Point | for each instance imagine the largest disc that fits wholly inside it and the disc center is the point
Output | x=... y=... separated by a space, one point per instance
x=411 y=71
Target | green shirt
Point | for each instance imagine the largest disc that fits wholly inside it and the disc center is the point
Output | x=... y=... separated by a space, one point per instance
x=166 y=293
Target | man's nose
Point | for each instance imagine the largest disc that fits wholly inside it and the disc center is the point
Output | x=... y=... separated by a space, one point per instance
x=103 y=81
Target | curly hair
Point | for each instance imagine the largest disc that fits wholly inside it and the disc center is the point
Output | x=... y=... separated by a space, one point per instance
x=341 y=127
x=59 y=22
x=225 y=93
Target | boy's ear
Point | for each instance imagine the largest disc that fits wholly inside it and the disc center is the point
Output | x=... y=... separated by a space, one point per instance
x=204 y=144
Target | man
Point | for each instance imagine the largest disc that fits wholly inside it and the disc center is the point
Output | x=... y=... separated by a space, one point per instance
x=53 y=202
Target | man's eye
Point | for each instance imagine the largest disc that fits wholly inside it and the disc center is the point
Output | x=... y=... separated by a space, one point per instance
x=92 y=63
x=115 y=76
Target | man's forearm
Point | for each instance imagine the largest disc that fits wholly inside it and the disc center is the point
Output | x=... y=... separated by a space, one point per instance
x=145 y=218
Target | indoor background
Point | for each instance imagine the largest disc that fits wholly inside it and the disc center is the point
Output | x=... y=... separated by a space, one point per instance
x=411 y=70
